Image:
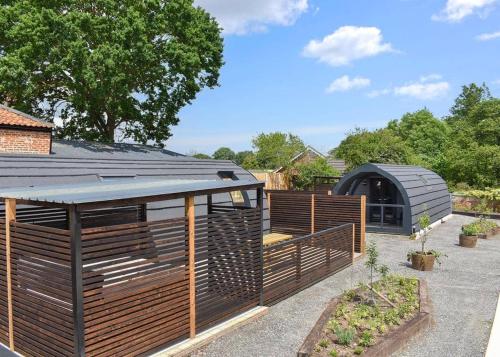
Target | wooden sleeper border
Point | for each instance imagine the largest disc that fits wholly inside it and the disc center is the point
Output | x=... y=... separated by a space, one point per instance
x=390 y=343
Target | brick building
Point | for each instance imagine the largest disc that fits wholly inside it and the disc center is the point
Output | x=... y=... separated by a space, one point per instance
x=22 y=133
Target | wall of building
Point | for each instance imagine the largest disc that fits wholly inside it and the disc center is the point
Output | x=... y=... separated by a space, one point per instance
x=25 y=141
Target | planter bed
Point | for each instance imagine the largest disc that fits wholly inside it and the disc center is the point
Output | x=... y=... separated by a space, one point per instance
x=376 y=330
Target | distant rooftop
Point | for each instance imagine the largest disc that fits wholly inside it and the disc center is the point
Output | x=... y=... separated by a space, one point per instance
x=12 y=117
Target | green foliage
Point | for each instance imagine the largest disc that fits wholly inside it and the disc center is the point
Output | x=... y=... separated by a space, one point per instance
x=479 y=226
x=366 y=338
x=464 y=148
x=202 y=156
x=107 y=68
x=241 y=156
x=275 y=150
x=490 y=194
x=304 y=173
x=323 y=343
x=345 y=336
x=358 y=350
x=250 y=162
x=379 y=146
x=334 y=353
x=224 y=153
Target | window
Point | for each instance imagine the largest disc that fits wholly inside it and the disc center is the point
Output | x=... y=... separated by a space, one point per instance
x=239 y=198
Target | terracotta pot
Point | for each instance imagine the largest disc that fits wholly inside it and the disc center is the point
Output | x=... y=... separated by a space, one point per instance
x=467 y=241
x=422 y=262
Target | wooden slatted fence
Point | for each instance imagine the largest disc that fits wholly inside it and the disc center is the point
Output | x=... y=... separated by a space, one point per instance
x=4 y=324
x=41 y=290
x=299 y=213
x=293 y=265
x=228 y=264
x=136 y=293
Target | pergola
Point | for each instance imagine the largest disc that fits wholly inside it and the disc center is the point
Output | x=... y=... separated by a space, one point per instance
x=86 y=273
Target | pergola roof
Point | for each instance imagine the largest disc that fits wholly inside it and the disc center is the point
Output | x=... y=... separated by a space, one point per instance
x=130 y=191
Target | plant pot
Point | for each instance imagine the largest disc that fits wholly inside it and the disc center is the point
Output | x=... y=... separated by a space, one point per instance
x=422 y=262
x=467 y=241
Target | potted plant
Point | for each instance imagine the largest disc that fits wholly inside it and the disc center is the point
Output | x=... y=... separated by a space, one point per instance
x=424 y=259
x=468 y=236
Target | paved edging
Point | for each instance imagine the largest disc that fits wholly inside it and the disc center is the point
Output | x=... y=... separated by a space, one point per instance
x=493 y=348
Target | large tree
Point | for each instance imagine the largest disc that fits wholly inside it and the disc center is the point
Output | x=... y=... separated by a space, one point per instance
x=424 y=134
x=224 y=153
x=107 y=68
x=276 y=149
x=379 y=146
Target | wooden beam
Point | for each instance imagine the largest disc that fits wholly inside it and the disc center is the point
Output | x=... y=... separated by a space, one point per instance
x=75 y=227
x=10 y=216
x=363 y=225
x=312 y=212
x=269 y=212
x=189 y=210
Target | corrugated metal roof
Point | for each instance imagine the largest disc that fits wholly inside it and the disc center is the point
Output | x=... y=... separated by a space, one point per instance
x=119 y=190
x=12 y=117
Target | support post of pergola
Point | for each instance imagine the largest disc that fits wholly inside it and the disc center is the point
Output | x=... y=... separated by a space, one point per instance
x=10 y=216
x=189 y=210
x=260 y=206
x=75 y=227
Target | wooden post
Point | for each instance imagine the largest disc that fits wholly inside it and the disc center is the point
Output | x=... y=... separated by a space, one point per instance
x=209 y=204
x=10 y=216
x=75 y=227
x=312 y=212
x=269 y=211
x=189 y=210
x=260 y=206
x=362 y=226
x=353 y=239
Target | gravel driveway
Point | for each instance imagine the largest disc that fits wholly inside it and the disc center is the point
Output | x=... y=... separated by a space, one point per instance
x=464 y=291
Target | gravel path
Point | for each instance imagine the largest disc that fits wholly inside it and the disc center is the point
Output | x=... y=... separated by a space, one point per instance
x=464 y=291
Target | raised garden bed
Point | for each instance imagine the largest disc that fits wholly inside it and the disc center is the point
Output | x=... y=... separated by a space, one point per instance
x=357 y=324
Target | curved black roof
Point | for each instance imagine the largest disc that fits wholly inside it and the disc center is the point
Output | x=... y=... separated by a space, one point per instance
x=422 y=189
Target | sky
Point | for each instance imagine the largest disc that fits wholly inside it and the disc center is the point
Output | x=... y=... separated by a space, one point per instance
x=320 y=68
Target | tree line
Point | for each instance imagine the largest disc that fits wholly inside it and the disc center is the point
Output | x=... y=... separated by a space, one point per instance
x=463 y=147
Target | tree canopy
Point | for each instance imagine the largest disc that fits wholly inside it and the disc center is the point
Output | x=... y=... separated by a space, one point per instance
x=382 y=146
x=224 y=153
x=303 y=174
x=275 y=150
x=464 y=148
x=107 y=68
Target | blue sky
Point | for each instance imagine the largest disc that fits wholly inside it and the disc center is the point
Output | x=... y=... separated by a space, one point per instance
x=319 y=68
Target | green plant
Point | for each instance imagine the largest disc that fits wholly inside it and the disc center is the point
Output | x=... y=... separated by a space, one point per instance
x=345 y=336
x=323 y=343
x=358 y=350
x=366 y=338
x=334 y=353
x=332 y=325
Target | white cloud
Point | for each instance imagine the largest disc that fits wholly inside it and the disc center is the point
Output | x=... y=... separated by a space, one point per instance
x=346 y=44
x=430 y=77
x=488 y=36
x=456 y=10
x=379 y=92
x=428 y=87
x=423 y=90
x=344 y=83
x=243 y=16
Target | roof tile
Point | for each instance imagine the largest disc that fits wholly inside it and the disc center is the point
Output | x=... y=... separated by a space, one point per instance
x=9 y=116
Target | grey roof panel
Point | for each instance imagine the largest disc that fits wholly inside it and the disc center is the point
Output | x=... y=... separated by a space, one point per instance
x=119 y=190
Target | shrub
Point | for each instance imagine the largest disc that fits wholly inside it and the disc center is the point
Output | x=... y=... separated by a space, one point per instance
x=358 y=350
x=334 y=353
x=323 y=343
x=345 y=336
x=366 y=339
